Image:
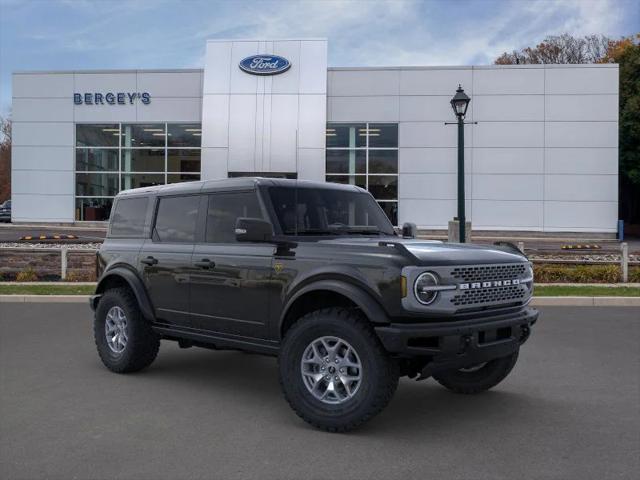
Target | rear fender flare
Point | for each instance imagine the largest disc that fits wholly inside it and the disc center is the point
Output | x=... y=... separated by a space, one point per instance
x=135 y=284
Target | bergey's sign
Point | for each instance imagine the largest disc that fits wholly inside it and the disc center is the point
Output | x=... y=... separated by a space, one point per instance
x=265 y=64
x=110 y=98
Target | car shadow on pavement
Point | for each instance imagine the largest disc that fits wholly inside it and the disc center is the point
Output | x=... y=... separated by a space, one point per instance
x=244 y=372
x=253 y=380
x=426 y=405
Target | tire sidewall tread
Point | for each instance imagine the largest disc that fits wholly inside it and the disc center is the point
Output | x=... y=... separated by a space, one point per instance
x=142 y=344
x=380 y=372
x=487 y=377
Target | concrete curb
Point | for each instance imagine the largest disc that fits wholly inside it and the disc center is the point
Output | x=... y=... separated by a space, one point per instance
x=586 y=301
x=536 y=302
x=607 y=285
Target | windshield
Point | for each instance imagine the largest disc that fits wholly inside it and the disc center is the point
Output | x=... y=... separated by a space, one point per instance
x=323 y=211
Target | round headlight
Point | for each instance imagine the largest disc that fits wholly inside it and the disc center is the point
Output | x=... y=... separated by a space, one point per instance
x=423 y=288
x=529 y=283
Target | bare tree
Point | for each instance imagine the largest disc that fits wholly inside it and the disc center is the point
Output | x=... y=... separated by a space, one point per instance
x=563 y=48
x=5 y=158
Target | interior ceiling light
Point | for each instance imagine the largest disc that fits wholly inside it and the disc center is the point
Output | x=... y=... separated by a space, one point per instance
x=153 y=129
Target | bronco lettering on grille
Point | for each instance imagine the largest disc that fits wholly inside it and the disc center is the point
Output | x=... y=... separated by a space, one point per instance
x=494 y=283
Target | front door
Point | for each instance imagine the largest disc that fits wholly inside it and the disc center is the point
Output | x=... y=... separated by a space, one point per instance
x=230 y=284
x=166 y=258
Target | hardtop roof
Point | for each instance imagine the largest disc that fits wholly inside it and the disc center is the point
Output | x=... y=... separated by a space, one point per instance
x=238 y=183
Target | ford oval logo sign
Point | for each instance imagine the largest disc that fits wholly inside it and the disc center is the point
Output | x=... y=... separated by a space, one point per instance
x=265 y=64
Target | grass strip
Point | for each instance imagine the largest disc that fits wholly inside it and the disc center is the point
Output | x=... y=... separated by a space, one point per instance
x=52 y=289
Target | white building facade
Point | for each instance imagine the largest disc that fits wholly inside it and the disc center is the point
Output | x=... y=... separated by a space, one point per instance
x=543 y=155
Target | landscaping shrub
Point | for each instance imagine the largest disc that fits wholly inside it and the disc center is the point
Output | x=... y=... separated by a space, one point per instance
x=634 y=274
x=27 y=275
x=558 y=273
x=80 y=276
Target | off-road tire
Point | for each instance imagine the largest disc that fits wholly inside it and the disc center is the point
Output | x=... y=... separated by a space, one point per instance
x=480 y=380
x=142 y=344
x=379 y=378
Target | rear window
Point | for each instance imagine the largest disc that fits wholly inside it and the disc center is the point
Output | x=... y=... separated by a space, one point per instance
x=176 y=219
x=127 y=219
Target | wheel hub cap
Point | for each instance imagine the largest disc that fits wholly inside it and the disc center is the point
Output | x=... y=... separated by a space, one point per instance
x=115 y=329
x=331 y=370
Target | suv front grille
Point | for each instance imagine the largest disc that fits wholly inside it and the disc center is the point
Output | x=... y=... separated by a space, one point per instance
x=508 y=294
x=482 y=273
x=484 y=285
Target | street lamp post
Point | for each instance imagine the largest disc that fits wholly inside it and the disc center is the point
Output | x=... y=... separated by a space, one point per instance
x=460 y=103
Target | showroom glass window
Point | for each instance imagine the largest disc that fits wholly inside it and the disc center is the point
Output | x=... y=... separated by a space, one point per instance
x=366 y=155
x=119 y=156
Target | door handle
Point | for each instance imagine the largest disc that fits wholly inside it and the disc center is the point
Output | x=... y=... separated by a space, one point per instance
x=149 y=260
x=205 y=263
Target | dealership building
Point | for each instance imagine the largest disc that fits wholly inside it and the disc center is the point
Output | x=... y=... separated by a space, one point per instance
x=541 y=143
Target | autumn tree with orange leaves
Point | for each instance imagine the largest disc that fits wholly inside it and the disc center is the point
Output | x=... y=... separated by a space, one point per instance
x=600 y=49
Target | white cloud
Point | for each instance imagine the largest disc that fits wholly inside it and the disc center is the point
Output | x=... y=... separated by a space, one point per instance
x=405 y=32
x=171 y=34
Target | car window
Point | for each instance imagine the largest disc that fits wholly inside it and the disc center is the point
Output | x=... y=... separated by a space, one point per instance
x=302 y=211
x=128 y=217
x=176 y=219
x=223 y=211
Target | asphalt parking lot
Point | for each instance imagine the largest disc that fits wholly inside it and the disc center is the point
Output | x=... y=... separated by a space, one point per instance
x=570 y=409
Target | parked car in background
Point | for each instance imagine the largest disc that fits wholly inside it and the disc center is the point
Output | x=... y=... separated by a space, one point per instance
x=5 y=211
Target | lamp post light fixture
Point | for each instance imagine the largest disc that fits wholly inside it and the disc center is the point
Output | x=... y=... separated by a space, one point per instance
x=460 y=103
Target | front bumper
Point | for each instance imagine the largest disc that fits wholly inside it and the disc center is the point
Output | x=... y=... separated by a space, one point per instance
x=459 y=344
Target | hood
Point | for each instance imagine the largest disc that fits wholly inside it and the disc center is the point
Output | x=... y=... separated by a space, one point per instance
x=434 y=252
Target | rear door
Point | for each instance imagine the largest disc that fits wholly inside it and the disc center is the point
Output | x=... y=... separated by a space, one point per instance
x=230 y=283
x=166 y=257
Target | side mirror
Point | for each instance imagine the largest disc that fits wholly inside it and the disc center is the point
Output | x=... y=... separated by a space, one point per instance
x=253 y=230
x=409 y=230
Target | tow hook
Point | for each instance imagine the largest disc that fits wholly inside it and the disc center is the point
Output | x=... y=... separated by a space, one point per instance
x=525 y=331
x=466 y=341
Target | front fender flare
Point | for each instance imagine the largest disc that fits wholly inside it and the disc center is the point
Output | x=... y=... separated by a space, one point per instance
x=137 y=287
x=365 y=302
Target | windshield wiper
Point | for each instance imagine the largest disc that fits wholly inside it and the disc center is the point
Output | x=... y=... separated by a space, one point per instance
x=361 y=230
x=358 y=232
x=310 y=232
x=337 y=231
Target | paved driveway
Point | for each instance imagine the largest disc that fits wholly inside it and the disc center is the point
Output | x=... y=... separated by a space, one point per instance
x=570 y=409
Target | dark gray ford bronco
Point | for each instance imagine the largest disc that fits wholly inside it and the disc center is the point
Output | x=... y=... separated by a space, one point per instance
x=314 y=274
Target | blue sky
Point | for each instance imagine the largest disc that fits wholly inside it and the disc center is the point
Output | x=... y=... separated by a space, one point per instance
x=105 y=34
